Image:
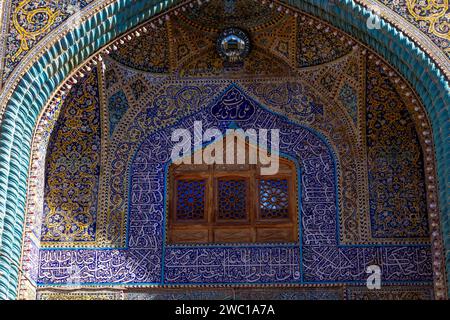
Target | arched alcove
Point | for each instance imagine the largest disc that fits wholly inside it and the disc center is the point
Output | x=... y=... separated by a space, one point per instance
x=34 y=90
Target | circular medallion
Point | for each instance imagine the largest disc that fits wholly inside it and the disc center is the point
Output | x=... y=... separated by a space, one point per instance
x=233 y=44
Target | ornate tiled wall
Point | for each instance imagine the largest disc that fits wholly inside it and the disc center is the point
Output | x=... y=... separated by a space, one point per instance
x=346 y=102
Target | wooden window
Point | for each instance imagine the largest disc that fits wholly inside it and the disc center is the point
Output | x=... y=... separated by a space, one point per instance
x=232 y=204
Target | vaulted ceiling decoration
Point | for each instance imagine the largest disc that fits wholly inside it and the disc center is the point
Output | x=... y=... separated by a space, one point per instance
x=280 y=43
x=26 y=22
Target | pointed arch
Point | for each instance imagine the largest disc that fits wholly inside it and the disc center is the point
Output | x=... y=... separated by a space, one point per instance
x=27 y=94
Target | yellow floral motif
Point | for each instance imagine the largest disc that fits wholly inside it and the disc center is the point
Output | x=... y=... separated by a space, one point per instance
x=31 y=16
x=435 y=12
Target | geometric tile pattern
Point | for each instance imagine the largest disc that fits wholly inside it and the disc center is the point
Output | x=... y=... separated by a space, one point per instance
x=438 y=96
x=424 y=23
x=26 y=28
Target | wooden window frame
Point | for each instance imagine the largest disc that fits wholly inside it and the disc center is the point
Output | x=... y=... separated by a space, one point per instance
x=254 y=229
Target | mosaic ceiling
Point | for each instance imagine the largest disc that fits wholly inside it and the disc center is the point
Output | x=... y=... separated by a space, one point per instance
x=136 y=197
x=363 y=190
x=26 y=22
x=281 y=44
